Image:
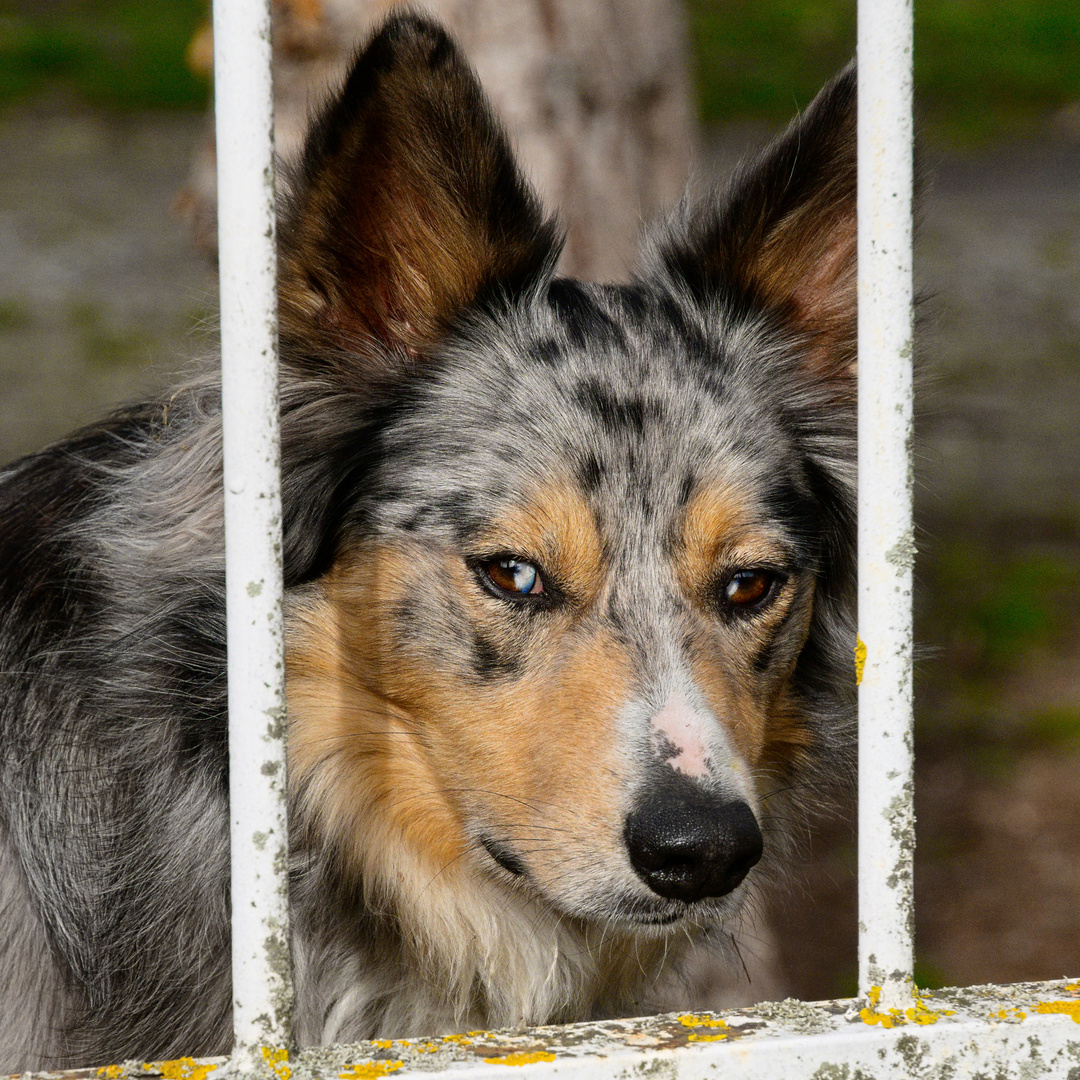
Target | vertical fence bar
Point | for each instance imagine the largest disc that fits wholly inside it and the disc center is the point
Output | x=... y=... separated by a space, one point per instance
x=886 y=538
x=262 y=981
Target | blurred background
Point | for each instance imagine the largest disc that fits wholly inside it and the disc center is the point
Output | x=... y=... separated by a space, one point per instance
x=106 y=286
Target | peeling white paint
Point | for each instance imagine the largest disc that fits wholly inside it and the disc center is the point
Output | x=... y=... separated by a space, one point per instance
x=262 y=981
x=886 y=544
x=1021 y=1032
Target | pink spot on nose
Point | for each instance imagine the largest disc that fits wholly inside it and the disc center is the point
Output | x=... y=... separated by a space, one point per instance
x=681 y=728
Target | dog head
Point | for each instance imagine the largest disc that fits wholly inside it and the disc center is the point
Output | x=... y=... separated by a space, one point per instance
x=571 y=565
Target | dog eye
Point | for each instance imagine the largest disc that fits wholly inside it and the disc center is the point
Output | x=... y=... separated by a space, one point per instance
x=513 y=577
x=746 y=590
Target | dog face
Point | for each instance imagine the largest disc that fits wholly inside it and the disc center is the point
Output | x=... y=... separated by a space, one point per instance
x=582 y=615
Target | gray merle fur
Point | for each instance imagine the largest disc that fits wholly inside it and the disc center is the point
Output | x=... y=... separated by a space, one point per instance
x=401 y=411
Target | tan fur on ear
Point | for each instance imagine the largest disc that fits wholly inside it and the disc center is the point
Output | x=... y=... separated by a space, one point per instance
x=784 y=236
x=809 y=268
x=408 y=203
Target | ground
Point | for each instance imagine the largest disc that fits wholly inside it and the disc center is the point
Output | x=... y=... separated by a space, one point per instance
x=101 y=297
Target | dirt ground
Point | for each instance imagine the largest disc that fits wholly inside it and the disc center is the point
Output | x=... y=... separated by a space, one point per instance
x=101 y=296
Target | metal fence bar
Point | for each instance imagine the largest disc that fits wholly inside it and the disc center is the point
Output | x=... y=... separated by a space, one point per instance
x=262 y=981
x=886 y=538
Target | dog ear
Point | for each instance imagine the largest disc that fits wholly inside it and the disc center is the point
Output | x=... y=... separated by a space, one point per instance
x=407 y=204
x=784 y=237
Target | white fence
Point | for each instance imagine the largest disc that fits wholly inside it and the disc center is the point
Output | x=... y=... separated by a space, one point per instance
x=262 y=979
x=886 y=541
x=1022 y=1031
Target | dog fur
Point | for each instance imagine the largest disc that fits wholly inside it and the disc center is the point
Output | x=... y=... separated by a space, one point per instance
x=481 y=773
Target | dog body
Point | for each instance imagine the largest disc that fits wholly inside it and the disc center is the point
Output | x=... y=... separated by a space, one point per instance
x=568 y=604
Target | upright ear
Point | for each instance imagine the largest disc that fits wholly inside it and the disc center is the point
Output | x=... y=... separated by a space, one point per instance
x=784 y=237
x=407 y=204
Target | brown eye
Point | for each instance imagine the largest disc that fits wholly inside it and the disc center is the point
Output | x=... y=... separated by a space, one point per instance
x=517 y=578
x=747 y=589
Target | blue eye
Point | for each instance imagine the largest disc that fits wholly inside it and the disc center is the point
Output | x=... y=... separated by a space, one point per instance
x=513 y=576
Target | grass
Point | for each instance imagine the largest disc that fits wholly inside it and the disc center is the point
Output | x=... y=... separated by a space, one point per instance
x=14 y=314
x=983 y=68
x=996 y=614
x=762 y=59
x=104 y=346
x=998 y=608
x=119 y=53
x=1056 y=727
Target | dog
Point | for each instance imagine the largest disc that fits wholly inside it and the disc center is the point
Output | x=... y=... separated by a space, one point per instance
x=569 y=603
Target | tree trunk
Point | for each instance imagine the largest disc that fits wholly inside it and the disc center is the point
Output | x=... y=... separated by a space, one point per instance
x=595 y=95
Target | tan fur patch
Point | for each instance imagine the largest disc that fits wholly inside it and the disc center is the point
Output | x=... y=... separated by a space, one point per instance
x=730 y=699
x=810 y=266
x=405 y=743
x=358 y=749
x=787 y=738
x=718 y=534
x=714 y=519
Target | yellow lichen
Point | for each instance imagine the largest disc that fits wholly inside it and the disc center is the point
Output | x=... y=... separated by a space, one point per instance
x=887 y=1020
x=869 y=1014
x=521 y=1057
x=860 y=659
x=277 y=1060
x=920 y=1014
x=382 y=1044
x=1008 y=1014
x=181 y=1069
x=695 y=1037
x=461 y=1040
x=1068 y=1008
x=916 y=1014
x=697 y=1020
x=370 y=1070
x=111 y=1072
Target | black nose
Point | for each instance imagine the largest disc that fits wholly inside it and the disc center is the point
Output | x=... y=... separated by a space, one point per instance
x=686 y=844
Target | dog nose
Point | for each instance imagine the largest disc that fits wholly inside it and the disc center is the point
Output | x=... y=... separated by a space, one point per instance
x=687 y=844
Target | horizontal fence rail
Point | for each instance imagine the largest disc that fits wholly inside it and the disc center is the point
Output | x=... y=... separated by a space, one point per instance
x=1026 y=1031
